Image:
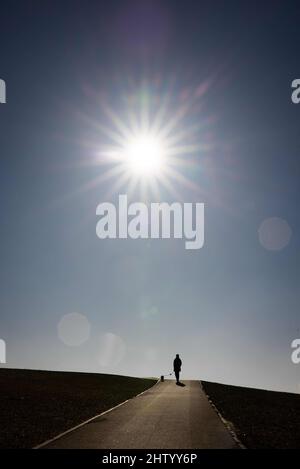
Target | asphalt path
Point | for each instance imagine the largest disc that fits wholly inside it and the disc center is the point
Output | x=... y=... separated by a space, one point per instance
x=165 y=416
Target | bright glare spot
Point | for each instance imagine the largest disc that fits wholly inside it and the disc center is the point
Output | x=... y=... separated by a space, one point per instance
x=112 y=350
x=144 y=155
x=73 y=329
x=274 y=234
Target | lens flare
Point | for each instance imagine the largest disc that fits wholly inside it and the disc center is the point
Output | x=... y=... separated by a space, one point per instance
x=144 y=155
x=152 y=141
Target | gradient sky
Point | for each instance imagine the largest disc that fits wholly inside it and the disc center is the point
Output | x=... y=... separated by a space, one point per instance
x=230 y=309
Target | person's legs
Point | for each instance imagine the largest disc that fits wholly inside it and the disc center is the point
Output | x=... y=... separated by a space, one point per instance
x=177 y=376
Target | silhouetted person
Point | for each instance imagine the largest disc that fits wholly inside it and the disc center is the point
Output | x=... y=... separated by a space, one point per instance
x=177 y=367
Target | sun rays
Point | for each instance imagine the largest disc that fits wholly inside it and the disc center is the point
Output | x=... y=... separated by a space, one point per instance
x=149 y=142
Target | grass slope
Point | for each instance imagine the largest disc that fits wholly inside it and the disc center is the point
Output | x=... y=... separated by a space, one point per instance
x=262 y=419
x=37 y=405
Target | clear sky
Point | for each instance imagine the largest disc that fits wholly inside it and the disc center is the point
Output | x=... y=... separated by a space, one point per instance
x=75 y=72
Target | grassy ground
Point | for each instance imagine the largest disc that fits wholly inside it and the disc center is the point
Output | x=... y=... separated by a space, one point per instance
x=262 y=419
x=37 y=405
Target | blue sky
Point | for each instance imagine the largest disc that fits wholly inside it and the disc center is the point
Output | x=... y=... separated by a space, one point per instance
x=229 y=309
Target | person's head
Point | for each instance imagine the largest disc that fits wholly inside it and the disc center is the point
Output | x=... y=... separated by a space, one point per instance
x=177 y=355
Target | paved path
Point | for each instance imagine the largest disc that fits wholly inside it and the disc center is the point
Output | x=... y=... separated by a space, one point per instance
x=165 y=416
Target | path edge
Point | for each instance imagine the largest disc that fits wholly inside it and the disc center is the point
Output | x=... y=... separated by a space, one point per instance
x=72 y=429
x=229 y=426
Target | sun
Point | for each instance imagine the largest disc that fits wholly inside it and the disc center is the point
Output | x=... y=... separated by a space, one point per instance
x=151 y=145
x=145 y=155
